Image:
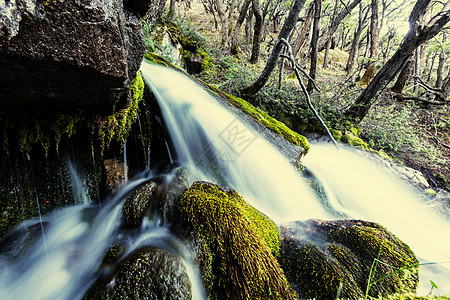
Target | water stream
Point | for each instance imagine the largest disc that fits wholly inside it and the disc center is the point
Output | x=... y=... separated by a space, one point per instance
x=213 y=144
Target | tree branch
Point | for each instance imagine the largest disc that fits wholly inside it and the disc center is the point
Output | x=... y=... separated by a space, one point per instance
x=308 y=99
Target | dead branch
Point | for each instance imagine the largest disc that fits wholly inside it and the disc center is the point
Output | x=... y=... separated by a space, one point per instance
x=402 y=97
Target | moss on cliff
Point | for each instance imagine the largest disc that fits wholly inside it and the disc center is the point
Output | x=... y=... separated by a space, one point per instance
x=117 y=126
x=241 y=241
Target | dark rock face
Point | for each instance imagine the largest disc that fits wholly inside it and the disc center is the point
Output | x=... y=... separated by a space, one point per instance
x=318 y=256
x=60 y=56
x=148 y=274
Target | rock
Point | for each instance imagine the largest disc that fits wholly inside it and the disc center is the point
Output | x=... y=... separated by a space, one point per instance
x=138 y=203
x=235 y=244
x=63 y=56
x=317 y=256
x=148 y=274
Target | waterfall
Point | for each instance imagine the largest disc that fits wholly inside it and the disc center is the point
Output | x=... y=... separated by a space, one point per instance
x=213 y=144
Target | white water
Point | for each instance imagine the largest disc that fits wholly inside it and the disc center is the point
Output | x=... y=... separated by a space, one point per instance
x=77 y=239
x=214 y=145
x=206 y=136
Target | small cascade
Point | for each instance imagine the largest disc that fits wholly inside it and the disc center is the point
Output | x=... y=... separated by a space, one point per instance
x=78 y=186
x=125 y=165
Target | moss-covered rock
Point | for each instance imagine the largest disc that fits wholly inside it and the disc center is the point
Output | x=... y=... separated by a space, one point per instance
x=318 y=256
x=148 y=274
x=239 y=241
x=354 y=141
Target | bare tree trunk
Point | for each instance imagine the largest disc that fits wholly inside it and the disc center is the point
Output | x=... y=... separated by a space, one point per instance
x=234 y=48
x=289 y=24
x=335 y=25
x=404 y=76
x=304 y=31
x=223 y=21
x=440 y=70
x=417 y=34
x=314 y=41
x=258 y=31
x=354 y=50
x=328 y=44
x=431 y=68
x=374 y=44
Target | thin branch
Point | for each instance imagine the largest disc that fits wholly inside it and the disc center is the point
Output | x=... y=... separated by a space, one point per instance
x=304 y=73
x=426 y=86
x=405 y=98
x=308 y=99
x=345 y=5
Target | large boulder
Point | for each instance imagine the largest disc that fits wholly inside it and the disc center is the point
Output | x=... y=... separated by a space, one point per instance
x=320 y=258
x=235 y=244
x=65 y=56
x=147 y=274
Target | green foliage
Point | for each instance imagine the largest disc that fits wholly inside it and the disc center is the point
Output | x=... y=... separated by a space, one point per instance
x=242 y=241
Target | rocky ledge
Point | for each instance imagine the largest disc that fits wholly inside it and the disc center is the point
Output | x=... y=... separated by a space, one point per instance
x=59 y=56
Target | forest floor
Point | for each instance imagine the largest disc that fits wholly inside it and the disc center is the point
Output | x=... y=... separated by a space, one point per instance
x=415 y=135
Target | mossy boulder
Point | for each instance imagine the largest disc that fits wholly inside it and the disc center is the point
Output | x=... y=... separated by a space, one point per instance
x=236 y=242
x=148 y=274
x=354 y=141
x=318 y=256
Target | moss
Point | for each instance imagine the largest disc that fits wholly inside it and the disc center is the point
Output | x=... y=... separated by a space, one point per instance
x=354 y=141
x=343 y=252
x=117 y=127
x=237 y=235
x=337 y=134
x=264 y=119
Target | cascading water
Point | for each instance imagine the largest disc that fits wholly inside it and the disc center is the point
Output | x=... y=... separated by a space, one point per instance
x=213 y=144
x=77 y=238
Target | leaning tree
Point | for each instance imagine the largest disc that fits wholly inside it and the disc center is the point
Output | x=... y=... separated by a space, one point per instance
x=418 y=34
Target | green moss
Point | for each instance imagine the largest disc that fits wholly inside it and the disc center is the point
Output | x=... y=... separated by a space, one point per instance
x=156 y=59
x=337 y=134
x=241 y=240
x=354 y=141
x=117 y=127
x=263 y=118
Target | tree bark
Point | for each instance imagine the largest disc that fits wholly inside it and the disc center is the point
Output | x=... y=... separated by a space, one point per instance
x=374 y=44
x=289 y=24
x=335 y=25
x=404 y=76
x=431 y=68
x=417 y=34
x=314 y=41
x=234 y=48
x=258 y=31
x=354 y=50
x=223 y=21
x=440 y=69
x=328 y=44
x=304 y=31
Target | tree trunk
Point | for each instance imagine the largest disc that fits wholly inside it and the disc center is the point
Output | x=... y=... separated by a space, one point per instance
x=374 y=44
x=431 y=68
x=335 y=25
x=234 y=48
x=314 y=41
x=258 y=31
x=440 y=70
x=304 y=31
x=171 y=13
x=404 y=76
x=289 y=24
x=223 y=21
x=328 y=44
x=417 y=34
x=354 y=50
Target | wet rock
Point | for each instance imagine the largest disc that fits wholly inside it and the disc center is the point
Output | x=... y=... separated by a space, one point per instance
x=61 y=56
x=318 y=256
x=148 y=274
x=138 y=203
x=235 y=244
x=115 y=173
